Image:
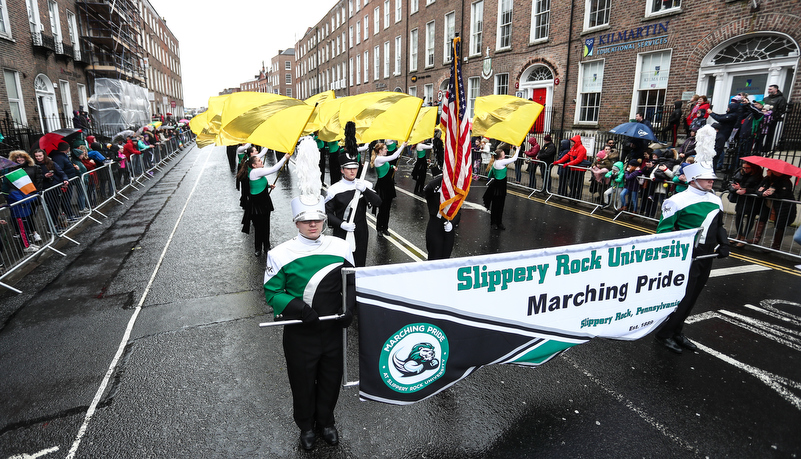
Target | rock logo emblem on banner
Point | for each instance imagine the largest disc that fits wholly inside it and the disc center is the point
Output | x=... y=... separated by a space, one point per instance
x=414 y=357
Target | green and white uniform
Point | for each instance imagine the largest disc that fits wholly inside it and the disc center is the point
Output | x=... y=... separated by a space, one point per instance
x=693 y=208
x=300 y=273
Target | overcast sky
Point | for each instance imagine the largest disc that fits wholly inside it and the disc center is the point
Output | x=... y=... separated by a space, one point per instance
x=223 y=42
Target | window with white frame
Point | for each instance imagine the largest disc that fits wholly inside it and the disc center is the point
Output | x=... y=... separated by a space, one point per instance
x=653 y=72
x=5 y=24
x=358 y=32
x=661 y=6
x=412 y=91
x=339 y=46
x=366 y=26
x=589 y=92
x=358 y=69
x=366 y=66
x=386 y=13
x=414 y=6
x=350 y=37
x=398 y=54
x=386 y=59
x=540 y=19
x=82 y=97
x=350 y=71
x=350 y=8
x=358 y=5
x=72 y=27
x=376 y=20
x=66 y=98
x=428 y=93
x=428 y=2
x=430 y=44
x=476 y=27
x=473 y=88
x=502 y=83
x=289 y=92
x=376 y=62
x=288 y=78
x=55 y=26
x=14 y=91
x=287 y=65
x=596 y=13
x=504 y=24
x=450 y=31
x=413 y=50
x=398 y=10
x=344 y=42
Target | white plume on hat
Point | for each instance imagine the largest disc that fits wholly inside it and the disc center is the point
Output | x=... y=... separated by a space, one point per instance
x=705 y=145
x=309 y=205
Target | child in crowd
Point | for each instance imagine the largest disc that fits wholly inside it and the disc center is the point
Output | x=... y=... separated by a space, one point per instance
x=629 y=194
x=616 y=177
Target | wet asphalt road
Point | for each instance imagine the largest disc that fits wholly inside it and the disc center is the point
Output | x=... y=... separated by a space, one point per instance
x=198 y=378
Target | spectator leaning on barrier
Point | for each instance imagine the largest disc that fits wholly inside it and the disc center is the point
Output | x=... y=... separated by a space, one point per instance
x=777 y=187
x=745 y=181
x=696 y=207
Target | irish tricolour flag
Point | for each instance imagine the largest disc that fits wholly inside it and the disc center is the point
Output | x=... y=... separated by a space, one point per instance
x=20 y=179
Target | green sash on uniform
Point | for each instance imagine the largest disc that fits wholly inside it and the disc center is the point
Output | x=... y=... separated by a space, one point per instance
x=258 y=185
x=383 y=169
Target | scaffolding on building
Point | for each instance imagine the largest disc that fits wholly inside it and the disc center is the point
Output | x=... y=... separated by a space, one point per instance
x=110 y=31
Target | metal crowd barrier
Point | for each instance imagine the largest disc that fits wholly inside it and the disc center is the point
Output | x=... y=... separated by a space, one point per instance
x=766 y=223
x=25 y=231
x=32 y=225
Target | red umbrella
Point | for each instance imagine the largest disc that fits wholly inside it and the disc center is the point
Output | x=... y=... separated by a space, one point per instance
x=49 y=142
x=776 y=165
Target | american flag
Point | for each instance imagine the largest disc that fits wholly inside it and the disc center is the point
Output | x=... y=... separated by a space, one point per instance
x=457 y=175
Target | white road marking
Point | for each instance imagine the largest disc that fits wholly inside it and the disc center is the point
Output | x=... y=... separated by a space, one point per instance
x=112 y=368
x=738 y=270
x=41 y=453
x=658 y=426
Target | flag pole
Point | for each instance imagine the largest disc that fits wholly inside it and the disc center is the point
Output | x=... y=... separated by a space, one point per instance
x=293 y=149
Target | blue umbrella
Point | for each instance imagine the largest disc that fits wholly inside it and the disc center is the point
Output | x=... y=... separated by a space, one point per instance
x=634 y=129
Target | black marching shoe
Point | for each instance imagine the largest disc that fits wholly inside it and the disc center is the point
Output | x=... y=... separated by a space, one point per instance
x=307 y=438
x=670 y=343
x=258 y=253
x=501 y=227
x=385 y=232
x=330 y=435
x=682 y=341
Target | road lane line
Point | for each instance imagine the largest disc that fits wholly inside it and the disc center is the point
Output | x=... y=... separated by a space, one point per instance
x=113 y=367
x=738 y=270
x=41 y=453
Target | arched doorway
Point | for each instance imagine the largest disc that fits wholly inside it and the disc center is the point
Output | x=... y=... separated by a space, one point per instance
x=748 y=64
x=46 y=103
x=536 y=83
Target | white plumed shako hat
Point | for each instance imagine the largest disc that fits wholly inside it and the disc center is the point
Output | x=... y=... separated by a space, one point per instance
x=308 y=207
x=699 y=171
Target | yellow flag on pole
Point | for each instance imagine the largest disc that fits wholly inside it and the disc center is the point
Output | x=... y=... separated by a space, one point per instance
x=269 y=120
x=424 y=125
x=506 y=118
x=315 y=100
x=380 y=115
x=328 y=117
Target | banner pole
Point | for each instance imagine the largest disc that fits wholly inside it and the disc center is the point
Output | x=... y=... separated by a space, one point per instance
x=296 y=321
x=345 y=382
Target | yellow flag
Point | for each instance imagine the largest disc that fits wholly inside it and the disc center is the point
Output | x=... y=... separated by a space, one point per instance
x=328 y=117
x=315 y=100
x=505 y=118
x=380 y=115
x=269 y=120
x=424 y=125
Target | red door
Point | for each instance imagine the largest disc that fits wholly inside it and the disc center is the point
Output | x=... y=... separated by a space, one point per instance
x=539 y=95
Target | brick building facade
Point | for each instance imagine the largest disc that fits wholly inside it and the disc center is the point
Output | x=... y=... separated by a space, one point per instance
x=281 y=75
x=592 y=63
x=51 y=52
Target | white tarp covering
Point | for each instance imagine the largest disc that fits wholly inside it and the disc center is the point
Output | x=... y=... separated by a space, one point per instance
x=118 y=105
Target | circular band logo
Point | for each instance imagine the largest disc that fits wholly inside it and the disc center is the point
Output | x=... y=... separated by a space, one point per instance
x=414 y=357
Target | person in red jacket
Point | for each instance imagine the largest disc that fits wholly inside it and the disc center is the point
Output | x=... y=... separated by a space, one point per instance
x=573 y=174
x=130 y=149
